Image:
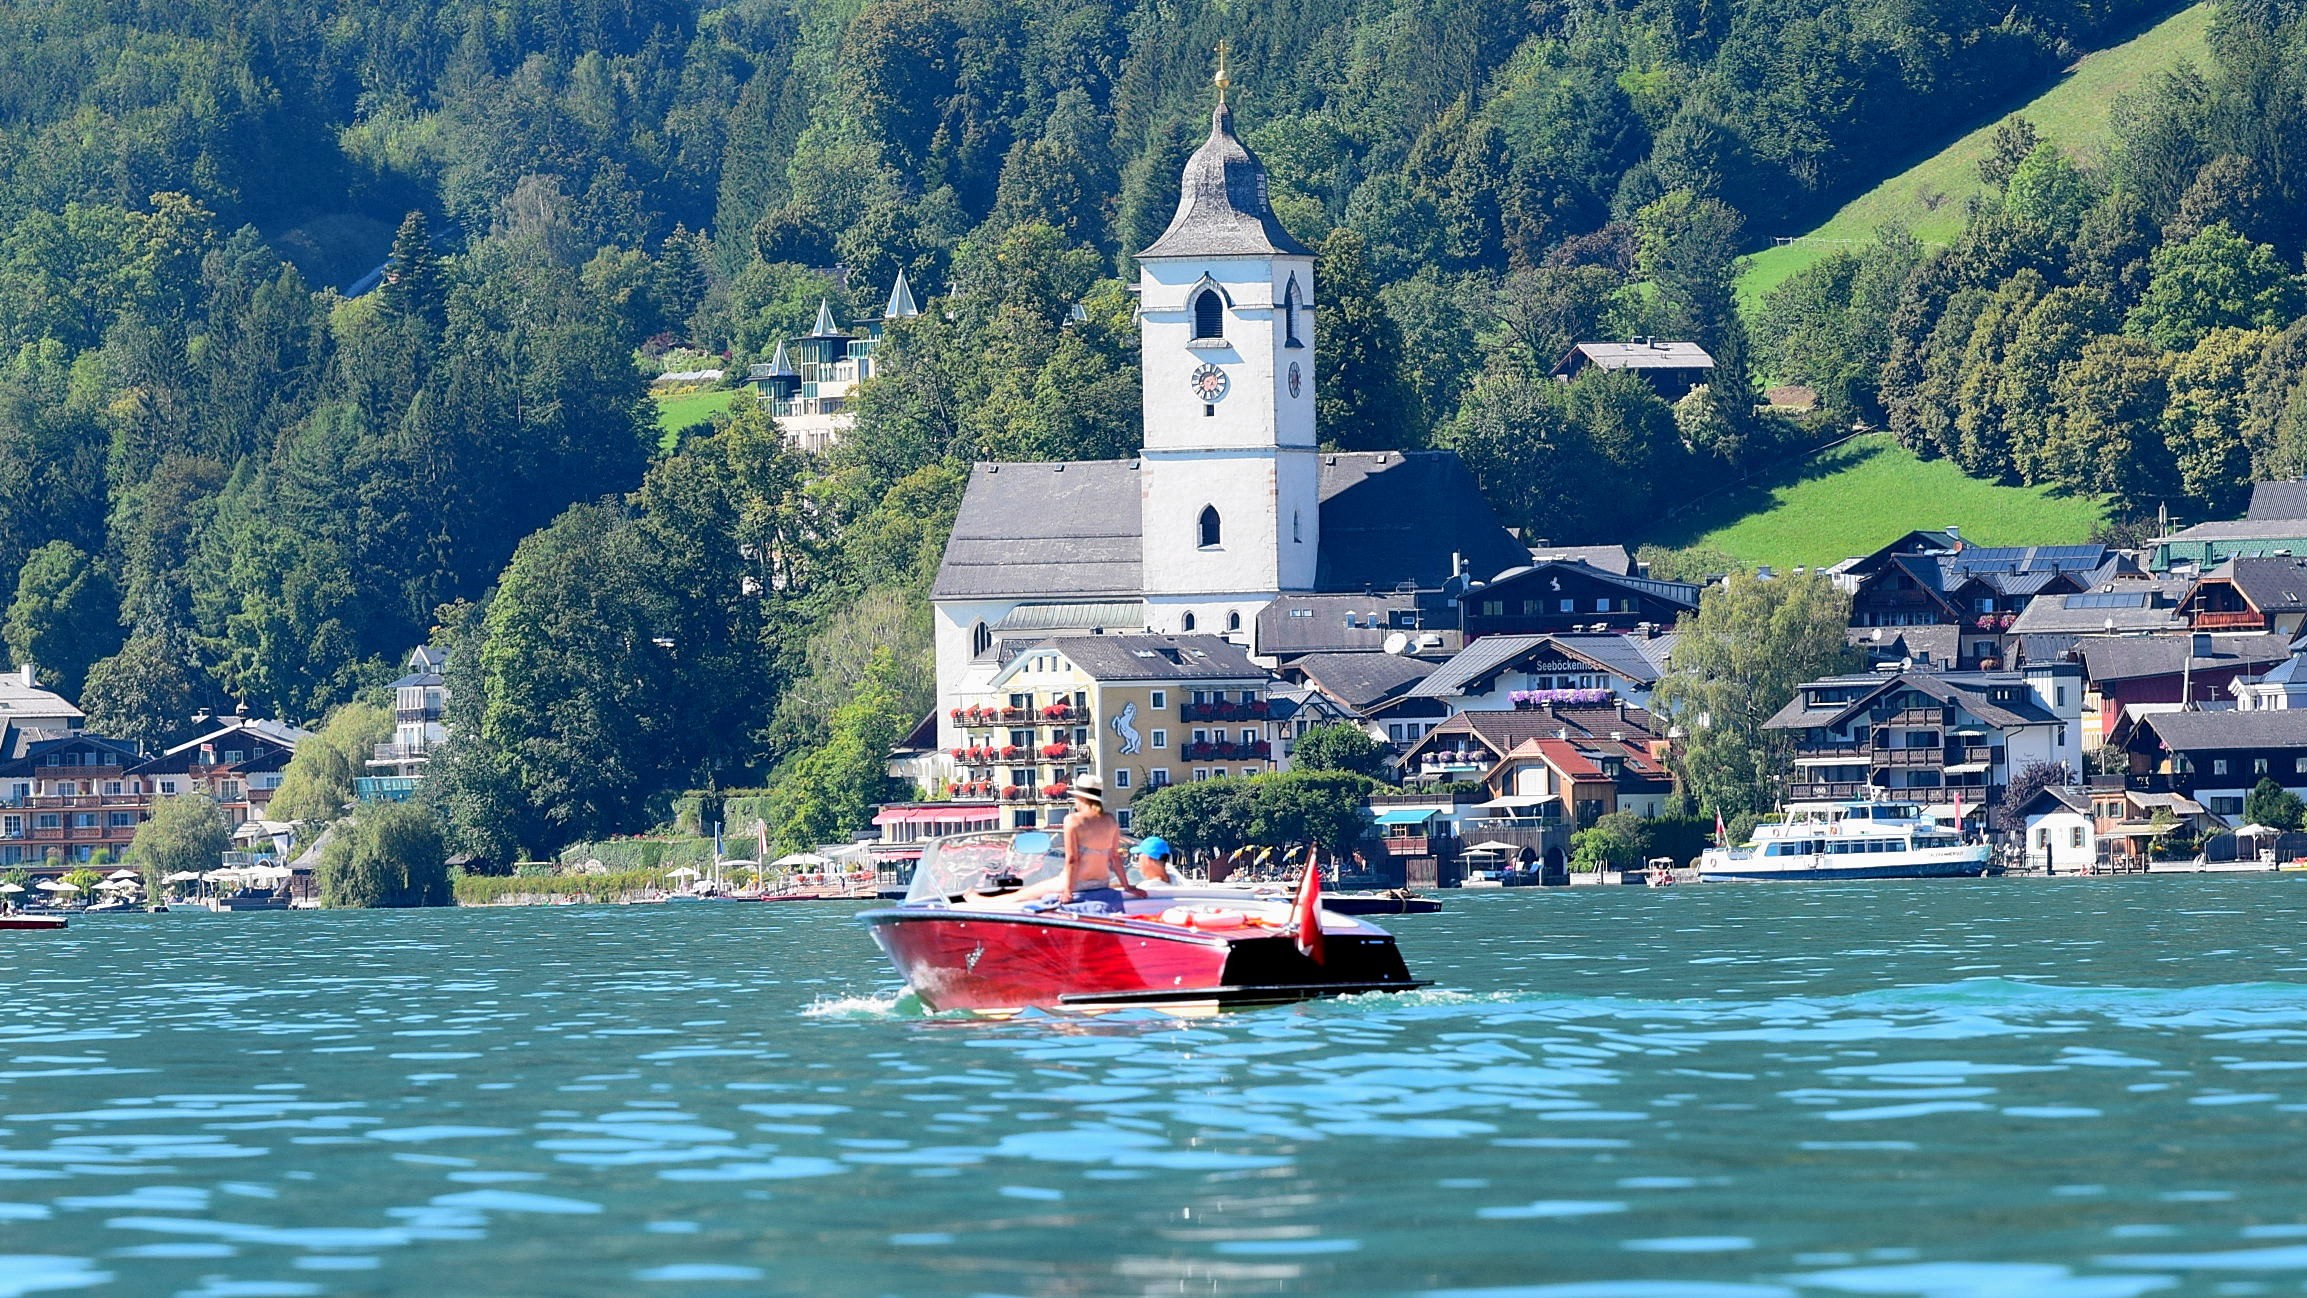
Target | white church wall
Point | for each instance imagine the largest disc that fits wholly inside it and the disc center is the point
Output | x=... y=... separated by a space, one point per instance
x=957 y=671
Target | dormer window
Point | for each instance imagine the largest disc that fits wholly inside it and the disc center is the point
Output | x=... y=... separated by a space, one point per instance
x=1208 y=530
x=1209 y=316
x=1290 y=315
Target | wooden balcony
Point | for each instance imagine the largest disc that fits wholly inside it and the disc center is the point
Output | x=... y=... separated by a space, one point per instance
x=2230 y=622
x=1907 y=758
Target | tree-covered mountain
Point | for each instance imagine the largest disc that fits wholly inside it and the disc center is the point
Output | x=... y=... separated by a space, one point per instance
x=225 y=476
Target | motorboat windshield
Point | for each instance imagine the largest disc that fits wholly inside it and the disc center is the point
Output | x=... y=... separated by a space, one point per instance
x=987 y=862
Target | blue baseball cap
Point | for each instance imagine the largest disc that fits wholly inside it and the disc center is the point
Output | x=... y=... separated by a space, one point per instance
x=1156 y=847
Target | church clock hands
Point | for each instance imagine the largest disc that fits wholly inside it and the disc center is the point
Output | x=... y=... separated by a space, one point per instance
x=1208 y=382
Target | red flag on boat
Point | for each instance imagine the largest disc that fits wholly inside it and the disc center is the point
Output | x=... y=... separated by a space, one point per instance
x=1721 y=831
x=1958 y=815
x=1307 y=925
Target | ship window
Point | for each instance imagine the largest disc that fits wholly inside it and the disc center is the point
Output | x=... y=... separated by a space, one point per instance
x=1209 y=315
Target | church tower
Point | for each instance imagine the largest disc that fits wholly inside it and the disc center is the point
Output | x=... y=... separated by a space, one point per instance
x=1231 y=490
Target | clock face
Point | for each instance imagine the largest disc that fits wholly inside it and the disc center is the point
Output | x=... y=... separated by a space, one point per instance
x=1209 y=382
x=1295 y=382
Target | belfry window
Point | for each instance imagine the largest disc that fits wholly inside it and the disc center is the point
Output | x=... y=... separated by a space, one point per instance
x=1209 y=315
x=980 y=640
x=1290 y=315
x=1187 y=622
x=1208 y=529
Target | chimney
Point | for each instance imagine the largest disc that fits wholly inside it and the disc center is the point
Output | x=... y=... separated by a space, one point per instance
x=31 y=681
x=1621 y=708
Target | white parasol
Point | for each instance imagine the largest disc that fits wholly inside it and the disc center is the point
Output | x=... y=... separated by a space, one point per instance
x=182 y=876
x=11 y=887
x=683 y=873
x=58 y=885
x=807 y=860
x=117 y=875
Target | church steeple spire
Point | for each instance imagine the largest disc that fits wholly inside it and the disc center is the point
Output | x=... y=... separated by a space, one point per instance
x=1221 y=79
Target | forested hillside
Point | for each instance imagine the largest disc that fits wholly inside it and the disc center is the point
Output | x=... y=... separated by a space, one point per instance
x=226 y=478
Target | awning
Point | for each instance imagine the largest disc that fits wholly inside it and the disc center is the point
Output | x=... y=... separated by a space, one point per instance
x=2137 y=831
x=1968 y=768
x=1516 y=802
x=1408 y=816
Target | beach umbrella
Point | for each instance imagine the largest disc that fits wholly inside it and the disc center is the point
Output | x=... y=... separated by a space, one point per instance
x=683 y=873
x=1494 y=846
x=182 y=876
x=117 y=875
x=11 y=887
x=58 y=885
x=2256 y=831
x=808 y=860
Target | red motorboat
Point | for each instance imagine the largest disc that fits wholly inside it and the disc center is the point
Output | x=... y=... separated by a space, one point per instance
x=1182 y=947
x=20 y=920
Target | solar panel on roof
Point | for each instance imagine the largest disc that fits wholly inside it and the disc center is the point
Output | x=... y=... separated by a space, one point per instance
x=2108 y=599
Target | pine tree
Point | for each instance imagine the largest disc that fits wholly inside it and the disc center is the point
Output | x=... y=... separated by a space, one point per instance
x=412 y=280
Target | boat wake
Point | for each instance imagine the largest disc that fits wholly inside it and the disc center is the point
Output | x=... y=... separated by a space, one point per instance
x=886 y=1005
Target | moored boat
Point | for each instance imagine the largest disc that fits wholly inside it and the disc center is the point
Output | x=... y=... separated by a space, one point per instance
x=1850 y=840
x=31 y=923
x=1181 y=947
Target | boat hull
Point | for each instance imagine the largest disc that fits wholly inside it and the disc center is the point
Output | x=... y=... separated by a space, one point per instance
x=1965 y=863
x=33 y=923
x=997 y=961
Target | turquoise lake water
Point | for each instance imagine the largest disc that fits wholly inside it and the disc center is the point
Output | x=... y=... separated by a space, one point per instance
x=2080 y=1089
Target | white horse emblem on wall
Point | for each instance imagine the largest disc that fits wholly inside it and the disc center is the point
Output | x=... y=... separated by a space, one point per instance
x=1123 y=728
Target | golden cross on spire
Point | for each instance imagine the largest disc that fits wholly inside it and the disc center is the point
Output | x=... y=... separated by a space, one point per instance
x=1221 y=79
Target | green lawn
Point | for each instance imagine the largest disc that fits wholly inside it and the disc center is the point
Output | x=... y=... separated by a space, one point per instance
x=688 y=410
x=1928 y=197
x=1865 y=493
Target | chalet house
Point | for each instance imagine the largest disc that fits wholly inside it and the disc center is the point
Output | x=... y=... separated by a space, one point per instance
x=1672 y=368
x=1469 y=745
x=2274 y=525
x=2132 y=676
x=1524 y=671
x=2250 y=594
x=239 y=764
x=1576 y=781
x=2217 y=758
x=1557 y=597
x=2133 y=607
x=2128 y=822
x=64 y=800
x=1905 y=647
x=2282 y=686
x=1930 y=737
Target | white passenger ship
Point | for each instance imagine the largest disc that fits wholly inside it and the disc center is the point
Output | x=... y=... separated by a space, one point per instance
x=1850 y=840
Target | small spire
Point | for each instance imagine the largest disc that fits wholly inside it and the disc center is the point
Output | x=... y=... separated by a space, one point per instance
x=901 y=305
x=779 y=366
x=825 y=328
x=1221 y=78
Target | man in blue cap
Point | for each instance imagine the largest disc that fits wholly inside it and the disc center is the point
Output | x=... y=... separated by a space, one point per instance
x=1153 y=859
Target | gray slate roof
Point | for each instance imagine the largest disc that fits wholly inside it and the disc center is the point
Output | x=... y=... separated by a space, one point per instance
x=1967 y=690
x=2278 y=500
x=1363 y=680
x=2190 y=732
x=2244 y=529
x=1222 y=205
x=1072 y=530
x=1157 y=657
x=1657 y=354
x=2273 y=584
x=1935 y=644
x=1307 y=624
x=1612 y=559
x=1045 y=530
x=2127 y=658
x=1491 y=653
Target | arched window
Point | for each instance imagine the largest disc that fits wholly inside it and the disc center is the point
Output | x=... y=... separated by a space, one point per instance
x=1296 y=536
x=1290 y=315
x=1188 y=623
x=1234 y=621
x=1209 y=529
x=1209 y=315
x=980 y=640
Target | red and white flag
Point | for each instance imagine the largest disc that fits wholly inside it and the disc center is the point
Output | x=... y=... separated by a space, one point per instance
x=1721 y=831
x=1958 y=815
x=1306 y=926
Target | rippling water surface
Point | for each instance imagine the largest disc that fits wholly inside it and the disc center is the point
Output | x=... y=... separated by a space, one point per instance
x=2082 y=1089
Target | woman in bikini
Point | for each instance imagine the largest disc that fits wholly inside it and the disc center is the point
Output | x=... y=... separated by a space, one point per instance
x=1095 y=881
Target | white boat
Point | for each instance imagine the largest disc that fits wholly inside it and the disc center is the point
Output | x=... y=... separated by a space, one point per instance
x=1850 y=840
